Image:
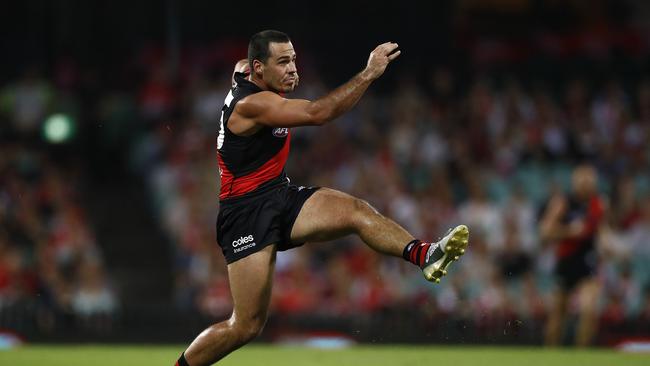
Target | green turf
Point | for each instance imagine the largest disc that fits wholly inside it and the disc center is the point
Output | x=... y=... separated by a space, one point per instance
x=34 y=355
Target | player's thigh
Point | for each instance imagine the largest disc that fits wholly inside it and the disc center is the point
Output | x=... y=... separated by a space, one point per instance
x=328 y=214
x=251 y=282
x=588 y=293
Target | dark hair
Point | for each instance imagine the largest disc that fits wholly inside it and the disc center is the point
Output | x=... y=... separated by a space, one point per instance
x=258 y=47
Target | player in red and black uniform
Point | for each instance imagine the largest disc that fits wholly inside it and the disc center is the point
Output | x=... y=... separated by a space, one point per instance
x=251 y=166
x=261 y=212
x=573 y=223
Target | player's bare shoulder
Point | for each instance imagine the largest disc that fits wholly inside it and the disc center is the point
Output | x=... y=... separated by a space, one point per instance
x=268 y=108
x=249 y=110
x=256 y=104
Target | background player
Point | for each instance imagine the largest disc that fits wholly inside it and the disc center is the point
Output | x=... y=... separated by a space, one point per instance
x=573 y=222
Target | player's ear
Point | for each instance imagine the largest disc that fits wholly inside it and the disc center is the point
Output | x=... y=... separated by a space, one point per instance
x=258 y=67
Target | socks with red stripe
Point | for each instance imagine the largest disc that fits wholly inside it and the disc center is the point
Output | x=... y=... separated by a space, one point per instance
x=416 y=252
x=182 y=361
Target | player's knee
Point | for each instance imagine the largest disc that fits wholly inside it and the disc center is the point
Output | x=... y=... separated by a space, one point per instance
x=249 y=330
x=363 y=214
x=589 y=300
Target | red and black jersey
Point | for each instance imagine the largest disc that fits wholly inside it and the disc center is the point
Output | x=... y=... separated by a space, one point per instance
x=248 y=164
x=592 y=212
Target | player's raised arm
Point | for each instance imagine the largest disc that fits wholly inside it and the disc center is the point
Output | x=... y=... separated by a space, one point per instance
x=550 y=228
x=270 y=109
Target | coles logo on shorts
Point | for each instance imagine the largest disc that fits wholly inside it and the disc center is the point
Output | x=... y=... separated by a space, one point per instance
x=243 y=243
x=280 y=132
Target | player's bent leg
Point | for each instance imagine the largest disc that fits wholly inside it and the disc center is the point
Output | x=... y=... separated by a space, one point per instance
x=250 y=285
x=588 y=293
x=329 y=214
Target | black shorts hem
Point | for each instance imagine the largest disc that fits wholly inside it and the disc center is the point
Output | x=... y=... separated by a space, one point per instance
x=293 y=221
x=570 y=271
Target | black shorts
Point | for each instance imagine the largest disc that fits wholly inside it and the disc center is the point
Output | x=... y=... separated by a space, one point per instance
x=246 y=225
x=571 y=270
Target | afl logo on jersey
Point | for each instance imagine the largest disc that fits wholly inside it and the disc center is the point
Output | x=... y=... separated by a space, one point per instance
x=280 y=132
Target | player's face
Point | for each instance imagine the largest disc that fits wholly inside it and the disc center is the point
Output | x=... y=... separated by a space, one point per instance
x=280 y=72
x=584 y=181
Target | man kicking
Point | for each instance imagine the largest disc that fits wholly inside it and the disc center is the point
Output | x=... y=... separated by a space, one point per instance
x=261 y=212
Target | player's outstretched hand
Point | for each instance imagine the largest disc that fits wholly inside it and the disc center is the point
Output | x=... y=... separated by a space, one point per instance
x=380 y=57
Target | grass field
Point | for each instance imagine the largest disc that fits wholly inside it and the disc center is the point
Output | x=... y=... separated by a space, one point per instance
x=34 y=355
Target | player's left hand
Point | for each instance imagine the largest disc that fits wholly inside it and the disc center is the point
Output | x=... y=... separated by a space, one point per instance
x=380 y=57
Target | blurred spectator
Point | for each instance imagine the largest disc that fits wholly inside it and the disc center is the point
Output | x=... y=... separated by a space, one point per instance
x=92 y=295
x=26 y=102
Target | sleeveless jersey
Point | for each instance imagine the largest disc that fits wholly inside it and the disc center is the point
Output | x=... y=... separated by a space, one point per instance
x=249 y=164
x=592 y=213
